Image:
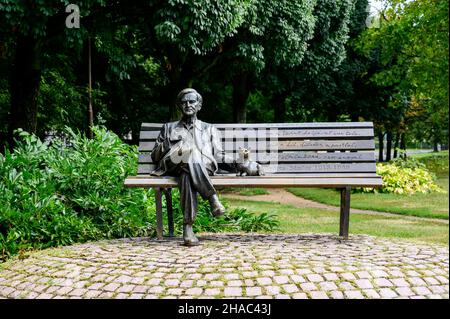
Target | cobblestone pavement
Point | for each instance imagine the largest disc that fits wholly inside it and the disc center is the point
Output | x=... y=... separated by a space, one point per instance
x=233 y=265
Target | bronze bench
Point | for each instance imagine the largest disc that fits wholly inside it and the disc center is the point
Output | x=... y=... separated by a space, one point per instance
x=334 y=155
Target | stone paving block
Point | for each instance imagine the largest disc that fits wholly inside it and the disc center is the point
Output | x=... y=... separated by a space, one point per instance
x=363 y=274
x=253 y=291
x=363 y=284
x=140 y=289
x=290 y=288
x=303 y=271
x=308 y=286
x=345 y=285
x=92 y=293
x=431 y=280
x=442 y=279
x=174 y=291
x=386 y=293
x=153 y=281
x=404 y=291
x=314 y=278
x=272 y=290
x=348 y=276
x=186 y=283
x=336 y=294
x=232 y=291
x=420 y=290
x=212 y=291
x=437 y=289
x=282 y=296
x=353 y=294
x=156 y=290
x=78 y=292
x=235 y=283
x=400 y=282
x=194 y=291
x=287 y=271
x=231 y=276
x=172 y=283
x=327 y=286
x=216 y=283
x=371 y=293
x=249 y=282
x=417 y=281
x=212 y=276
x=382 y=282
x=111 y=287
x=281 y=279
x=331 y=276
x=263 y=281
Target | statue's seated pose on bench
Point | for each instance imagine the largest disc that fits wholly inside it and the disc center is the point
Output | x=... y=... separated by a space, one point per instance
x=191 y=149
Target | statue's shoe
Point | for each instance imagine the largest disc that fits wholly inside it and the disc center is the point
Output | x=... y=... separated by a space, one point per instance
x=191 y=242
x=189 y=236
x=216 y=206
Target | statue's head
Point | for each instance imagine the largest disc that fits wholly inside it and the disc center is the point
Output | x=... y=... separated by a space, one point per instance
x=189 y=101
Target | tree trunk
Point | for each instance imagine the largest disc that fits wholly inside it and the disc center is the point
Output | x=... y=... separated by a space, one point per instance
x=24 y=83
x=397 y=140
x=240 y=94
x=279 y=105
x=435 y=145
x=388 y=146
x=403 y=144
x=380 y=146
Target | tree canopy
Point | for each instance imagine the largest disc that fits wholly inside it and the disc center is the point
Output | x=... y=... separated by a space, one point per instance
x=252 y=60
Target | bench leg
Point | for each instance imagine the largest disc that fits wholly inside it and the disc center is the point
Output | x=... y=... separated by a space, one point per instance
x=159 y=219
x=168 y=195
x=345 y=212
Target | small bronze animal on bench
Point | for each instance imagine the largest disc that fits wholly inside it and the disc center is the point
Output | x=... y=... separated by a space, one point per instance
x=246 y=167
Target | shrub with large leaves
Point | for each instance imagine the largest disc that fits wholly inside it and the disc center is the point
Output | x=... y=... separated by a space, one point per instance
x=59 y=193
x=404 y=176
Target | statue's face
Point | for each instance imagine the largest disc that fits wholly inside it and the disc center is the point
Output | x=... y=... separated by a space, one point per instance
x=189 y=104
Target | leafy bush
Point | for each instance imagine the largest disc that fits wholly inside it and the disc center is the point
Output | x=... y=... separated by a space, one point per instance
x=57 y=194
x=436 y=162
x=63 y=192
x=404 y=176
x=238 y=219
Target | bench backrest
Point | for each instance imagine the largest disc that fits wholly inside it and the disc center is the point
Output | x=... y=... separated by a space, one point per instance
x=335 y=148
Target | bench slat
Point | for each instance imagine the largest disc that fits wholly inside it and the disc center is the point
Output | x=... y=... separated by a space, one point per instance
x=157 y=126
x=263 y=182
x=298 y=157
x=281 y=134
x=314 y=145
x=298 y=168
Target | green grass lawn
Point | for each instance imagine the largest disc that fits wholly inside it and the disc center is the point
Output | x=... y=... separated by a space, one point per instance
x=433 y=205
x=246 y=191
x=298 y=220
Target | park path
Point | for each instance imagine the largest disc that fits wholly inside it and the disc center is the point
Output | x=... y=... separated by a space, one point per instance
x=282 y=196
x=233 y=265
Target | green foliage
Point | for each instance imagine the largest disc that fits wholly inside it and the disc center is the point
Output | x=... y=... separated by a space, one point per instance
x=404 y=176
x=238 y=219
x=435 y=162
x=60 y=194
x=412 y=45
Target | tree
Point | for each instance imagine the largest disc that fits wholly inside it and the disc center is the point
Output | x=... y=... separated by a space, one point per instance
x=413 y=43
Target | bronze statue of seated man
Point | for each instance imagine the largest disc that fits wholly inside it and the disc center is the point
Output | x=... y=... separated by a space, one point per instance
x=191 y=150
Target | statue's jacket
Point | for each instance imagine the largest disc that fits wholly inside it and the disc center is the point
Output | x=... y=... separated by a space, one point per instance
x=177 y=144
